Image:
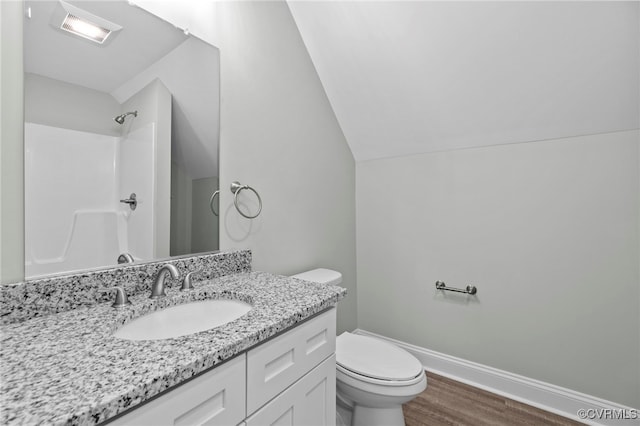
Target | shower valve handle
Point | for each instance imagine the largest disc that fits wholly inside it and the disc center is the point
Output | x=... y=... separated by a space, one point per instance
x=132 y=201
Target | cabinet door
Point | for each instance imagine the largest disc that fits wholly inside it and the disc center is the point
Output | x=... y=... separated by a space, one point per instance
x=214 y=398
x=278 y=363
x=310 y=401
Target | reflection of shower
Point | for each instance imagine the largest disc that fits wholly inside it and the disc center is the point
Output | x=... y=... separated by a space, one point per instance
x=120 y=119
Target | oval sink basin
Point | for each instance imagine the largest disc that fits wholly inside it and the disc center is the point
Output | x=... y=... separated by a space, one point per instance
x=184 y=319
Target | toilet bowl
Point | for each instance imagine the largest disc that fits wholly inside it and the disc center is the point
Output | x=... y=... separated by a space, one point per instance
x=374 y=378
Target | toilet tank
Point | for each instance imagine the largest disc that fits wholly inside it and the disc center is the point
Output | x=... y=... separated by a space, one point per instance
x=321 y=275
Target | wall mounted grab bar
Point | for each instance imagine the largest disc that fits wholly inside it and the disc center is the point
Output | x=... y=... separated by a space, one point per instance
x=471 y=289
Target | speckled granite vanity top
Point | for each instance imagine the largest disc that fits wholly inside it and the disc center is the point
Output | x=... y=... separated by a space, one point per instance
x=67 y=368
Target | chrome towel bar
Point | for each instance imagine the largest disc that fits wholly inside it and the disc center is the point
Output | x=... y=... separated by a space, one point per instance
x=471 y=289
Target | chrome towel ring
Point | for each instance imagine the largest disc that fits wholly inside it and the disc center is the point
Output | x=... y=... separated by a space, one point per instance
x=211 y=200
x=236 y=188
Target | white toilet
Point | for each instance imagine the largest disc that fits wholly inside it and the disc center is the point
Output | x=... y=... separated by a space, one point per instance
x=374 y=378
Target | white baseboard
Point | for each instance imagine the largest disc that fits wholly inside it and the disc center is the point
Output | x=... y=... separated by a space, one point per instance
x=548 y=397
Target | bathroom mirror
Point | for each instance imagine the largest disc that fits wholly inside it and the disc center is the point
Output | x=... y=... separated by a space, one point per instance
x=121 y=137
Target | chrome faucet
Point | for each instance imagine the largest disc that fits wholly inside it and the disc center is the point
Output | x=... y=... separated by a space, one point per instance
x=157 y=290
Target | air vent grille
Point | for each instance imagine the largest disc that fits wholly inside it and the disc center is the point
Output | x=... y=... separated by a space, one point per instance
x=85 y=29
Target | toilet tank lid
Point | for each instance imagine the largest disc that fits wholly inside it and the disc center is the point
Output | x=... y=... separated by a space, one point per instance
x=376 y=358
x=321 y=275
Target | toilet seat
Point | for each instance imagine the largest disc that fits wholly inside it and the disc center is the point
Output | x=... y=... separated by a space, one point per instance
x=375 y=361
x=362 y=378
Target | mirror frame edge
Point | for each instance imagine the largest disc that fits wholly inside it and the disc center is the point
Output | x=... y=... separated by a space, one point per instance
x=12 y=143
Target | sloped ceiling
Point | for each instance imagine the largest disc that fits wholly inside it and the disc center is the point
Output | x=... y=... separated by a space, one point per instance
x=414 y=77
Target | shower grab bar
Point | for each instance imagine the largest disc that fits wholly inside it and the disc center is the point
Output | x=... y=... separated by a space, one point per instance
x=236 y=188
x=471 y=289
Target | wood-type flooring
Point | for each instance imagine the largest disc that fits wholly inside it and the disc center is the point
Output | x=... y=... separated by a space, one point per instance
x=447 y=402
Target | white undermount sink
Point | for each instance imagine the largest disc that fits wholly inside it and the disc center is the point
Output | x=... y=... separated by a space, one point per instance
x=183 y=319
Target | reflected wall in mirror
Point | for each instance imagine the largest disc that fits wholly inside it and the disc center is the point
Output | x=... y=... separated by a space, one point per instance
x=137 y=114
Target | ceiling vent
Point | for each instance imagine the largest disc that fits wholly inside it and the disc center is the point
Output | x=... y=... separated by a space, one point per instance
x=79 y=22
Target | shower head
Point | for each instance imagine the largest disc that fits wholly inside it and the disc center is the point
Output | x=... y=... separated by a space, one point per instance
x=120 y=119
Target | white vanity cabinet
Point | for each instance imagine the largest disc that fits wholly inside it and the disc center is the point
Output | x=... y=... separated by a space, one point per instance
x=277 y=364
x=295 y=375
x=310 y=401
x=212 y=399
x=287 y=380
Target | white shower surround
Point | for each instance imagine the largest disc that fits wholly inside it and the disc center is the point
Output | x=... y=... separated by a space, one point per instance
x=72 y=210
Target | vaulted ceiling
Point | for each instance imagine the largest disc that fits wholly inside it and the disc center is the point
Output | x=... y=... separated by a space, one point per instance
x=413 y=77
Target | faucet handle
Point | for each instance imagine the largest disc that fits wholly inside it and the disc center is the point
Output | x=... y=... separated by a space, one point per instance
x=186 y=282
x=121 y=297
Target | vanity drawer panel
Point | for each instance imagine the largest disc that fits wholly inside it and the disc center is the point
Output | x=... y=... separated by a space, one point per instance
x=311 y=401
x=275 y=365
x=214 y=398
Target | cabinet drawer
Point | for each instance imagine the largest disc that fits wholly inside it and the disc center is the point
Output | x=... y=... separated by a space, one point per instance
x=311 y=401
x=214 y=398
x=278 y=363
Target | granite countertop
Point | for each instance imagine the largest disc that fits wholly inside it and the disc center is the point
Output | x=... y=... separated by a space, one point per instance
x=67 y=368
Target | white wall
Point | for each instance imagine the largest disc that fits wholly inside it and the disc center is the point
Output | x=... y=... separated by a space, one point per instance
x=191 y=73
x=181 y=201
x=205 y=232
x=69 y=106
x=547 y=231
x=279 y=135
x=11 y=145
x=194 y=228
